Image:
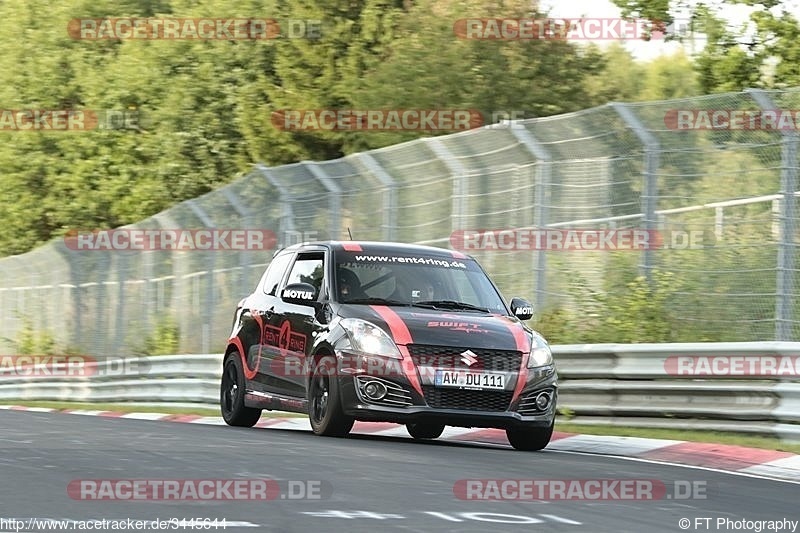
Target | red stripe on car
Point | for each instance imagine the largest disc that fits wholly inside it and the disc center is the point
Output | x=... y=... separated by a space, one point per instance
x=523 y=346
x=410 y=370
x=400 y=332
x=401 y=336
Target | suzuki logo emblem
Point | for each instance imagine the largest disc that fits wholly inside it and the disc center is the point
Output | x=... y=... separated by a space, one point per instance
x=469 y=358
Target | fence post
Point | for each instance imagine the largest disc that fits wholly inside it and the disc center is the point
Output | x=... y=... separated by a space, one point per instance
x=334 y=196
x=181 y=295
x=120 y=309
x=784 y=282
x=389 y=197
x=652 y=150
x=542 y=176
x=460 y=185
x=287 y=213
x=210 y=303
x=244 y=214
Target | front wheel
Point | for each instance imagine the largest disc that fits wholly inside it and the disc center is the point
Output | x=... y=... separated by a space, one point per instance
x=231 y=394
x=425 y=431
x=529 y=439
x=324 y=405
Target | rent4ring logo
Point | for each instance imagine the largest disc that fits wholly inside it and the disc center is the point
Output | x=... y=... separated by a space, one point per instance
x=555 y=239
x=579 y=489
x=178 y=240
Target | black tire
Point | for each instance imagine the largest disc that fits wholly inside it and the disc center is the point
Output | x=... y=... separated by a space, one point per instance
x=529 y=439
x=324 y=403
x=425 y=430
x=231 y=394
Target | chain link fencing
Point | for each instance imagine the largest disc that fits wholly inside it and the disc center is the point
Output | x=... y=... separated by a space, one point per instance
x=618 y=166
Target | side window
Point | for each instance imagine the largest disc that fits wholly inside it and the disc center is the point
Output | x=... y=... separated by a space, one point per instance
x=275 y=272
x=309 y=268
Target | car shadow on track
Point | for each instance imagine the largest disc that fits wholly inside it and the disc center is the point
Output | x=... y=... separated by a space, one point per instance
x=399 y=439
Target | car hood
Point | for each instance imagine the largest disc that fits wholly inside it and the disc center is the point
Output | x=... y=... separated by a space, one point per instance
x=416 y=325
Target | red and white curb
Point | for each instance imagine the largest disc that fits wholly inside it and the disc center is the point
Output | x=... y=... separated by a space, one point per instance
x=756 y=462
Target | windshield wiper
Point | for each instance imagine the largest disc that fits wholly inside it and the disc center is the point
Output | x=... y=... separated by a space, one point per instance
x=374 y=301
x=450 y=304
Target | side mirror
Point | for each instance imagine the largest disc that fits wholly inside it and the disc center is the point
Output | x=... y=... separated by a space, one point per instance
x=299 y=294
x=521 y=308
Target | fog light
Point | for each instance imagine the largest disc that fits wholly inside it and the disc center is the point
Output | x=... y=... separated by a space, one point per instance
x=375 y=390
x=542 y=401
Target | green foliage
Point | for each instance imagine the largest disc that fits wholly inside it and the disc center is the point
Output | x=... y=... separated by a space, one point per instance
x=207 y=106
x=165 y=339
x=566 y=413
x=33 y=342
x=668 y=77
x=621 y=78
x=764 y=53
x=632 y=311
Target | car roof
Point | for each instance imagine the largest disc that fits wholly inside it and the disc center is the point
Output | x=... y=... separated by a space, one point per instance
x=376 y=247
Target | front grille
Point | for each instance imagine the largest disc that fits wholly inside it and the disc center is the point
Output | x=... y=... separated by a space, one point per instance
x=450 y=357
x=473 y=400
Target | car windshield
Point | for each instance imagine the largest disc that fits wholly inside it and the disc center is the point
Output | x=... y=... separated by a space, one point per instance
x=415 y=279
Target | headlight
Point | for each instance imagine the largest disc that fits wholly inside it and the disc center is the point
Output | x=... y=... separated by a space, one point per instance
x=367 y=338
x=540 y=353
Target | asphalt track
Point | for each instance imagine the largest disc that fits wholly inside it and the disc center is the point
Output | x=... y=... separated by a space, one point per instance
x=373 y=483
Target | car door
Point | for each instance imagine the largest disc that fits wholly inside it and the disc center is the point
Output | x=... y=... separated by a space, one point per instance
x=258 y=313
x=297 y=325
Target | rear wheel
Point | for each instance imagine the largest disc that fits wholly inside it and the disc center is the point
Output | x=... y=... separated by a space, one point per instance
x=529 y=439
x=324 y=403
x=231 y=394
x=425 y=430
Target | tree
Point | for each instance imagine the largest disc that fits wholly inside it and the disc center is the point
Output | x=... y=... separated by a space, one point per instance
x=621 y=79
x=764 y=55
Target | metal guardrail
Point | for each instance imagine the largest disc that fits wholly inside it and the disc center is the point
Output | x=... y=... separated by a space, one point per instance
x=624 y=385
x=641 y=385
x=171 y=379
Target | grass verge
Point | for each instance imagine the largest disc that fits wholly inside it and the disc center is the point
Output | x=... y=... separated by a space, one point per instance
x=694 y=435
x=128 y=408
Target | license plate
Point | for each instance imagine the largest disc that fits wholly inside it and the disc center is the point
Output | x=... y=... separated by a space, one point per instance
x=462 y=379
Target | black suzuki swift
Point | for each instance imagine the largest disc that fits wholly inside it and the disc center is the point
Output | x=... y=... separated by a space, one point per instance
x=415 y=335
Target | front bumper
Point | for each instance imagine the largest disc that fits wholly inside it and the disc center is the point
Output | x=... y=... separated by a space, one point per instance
x=448 y=406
